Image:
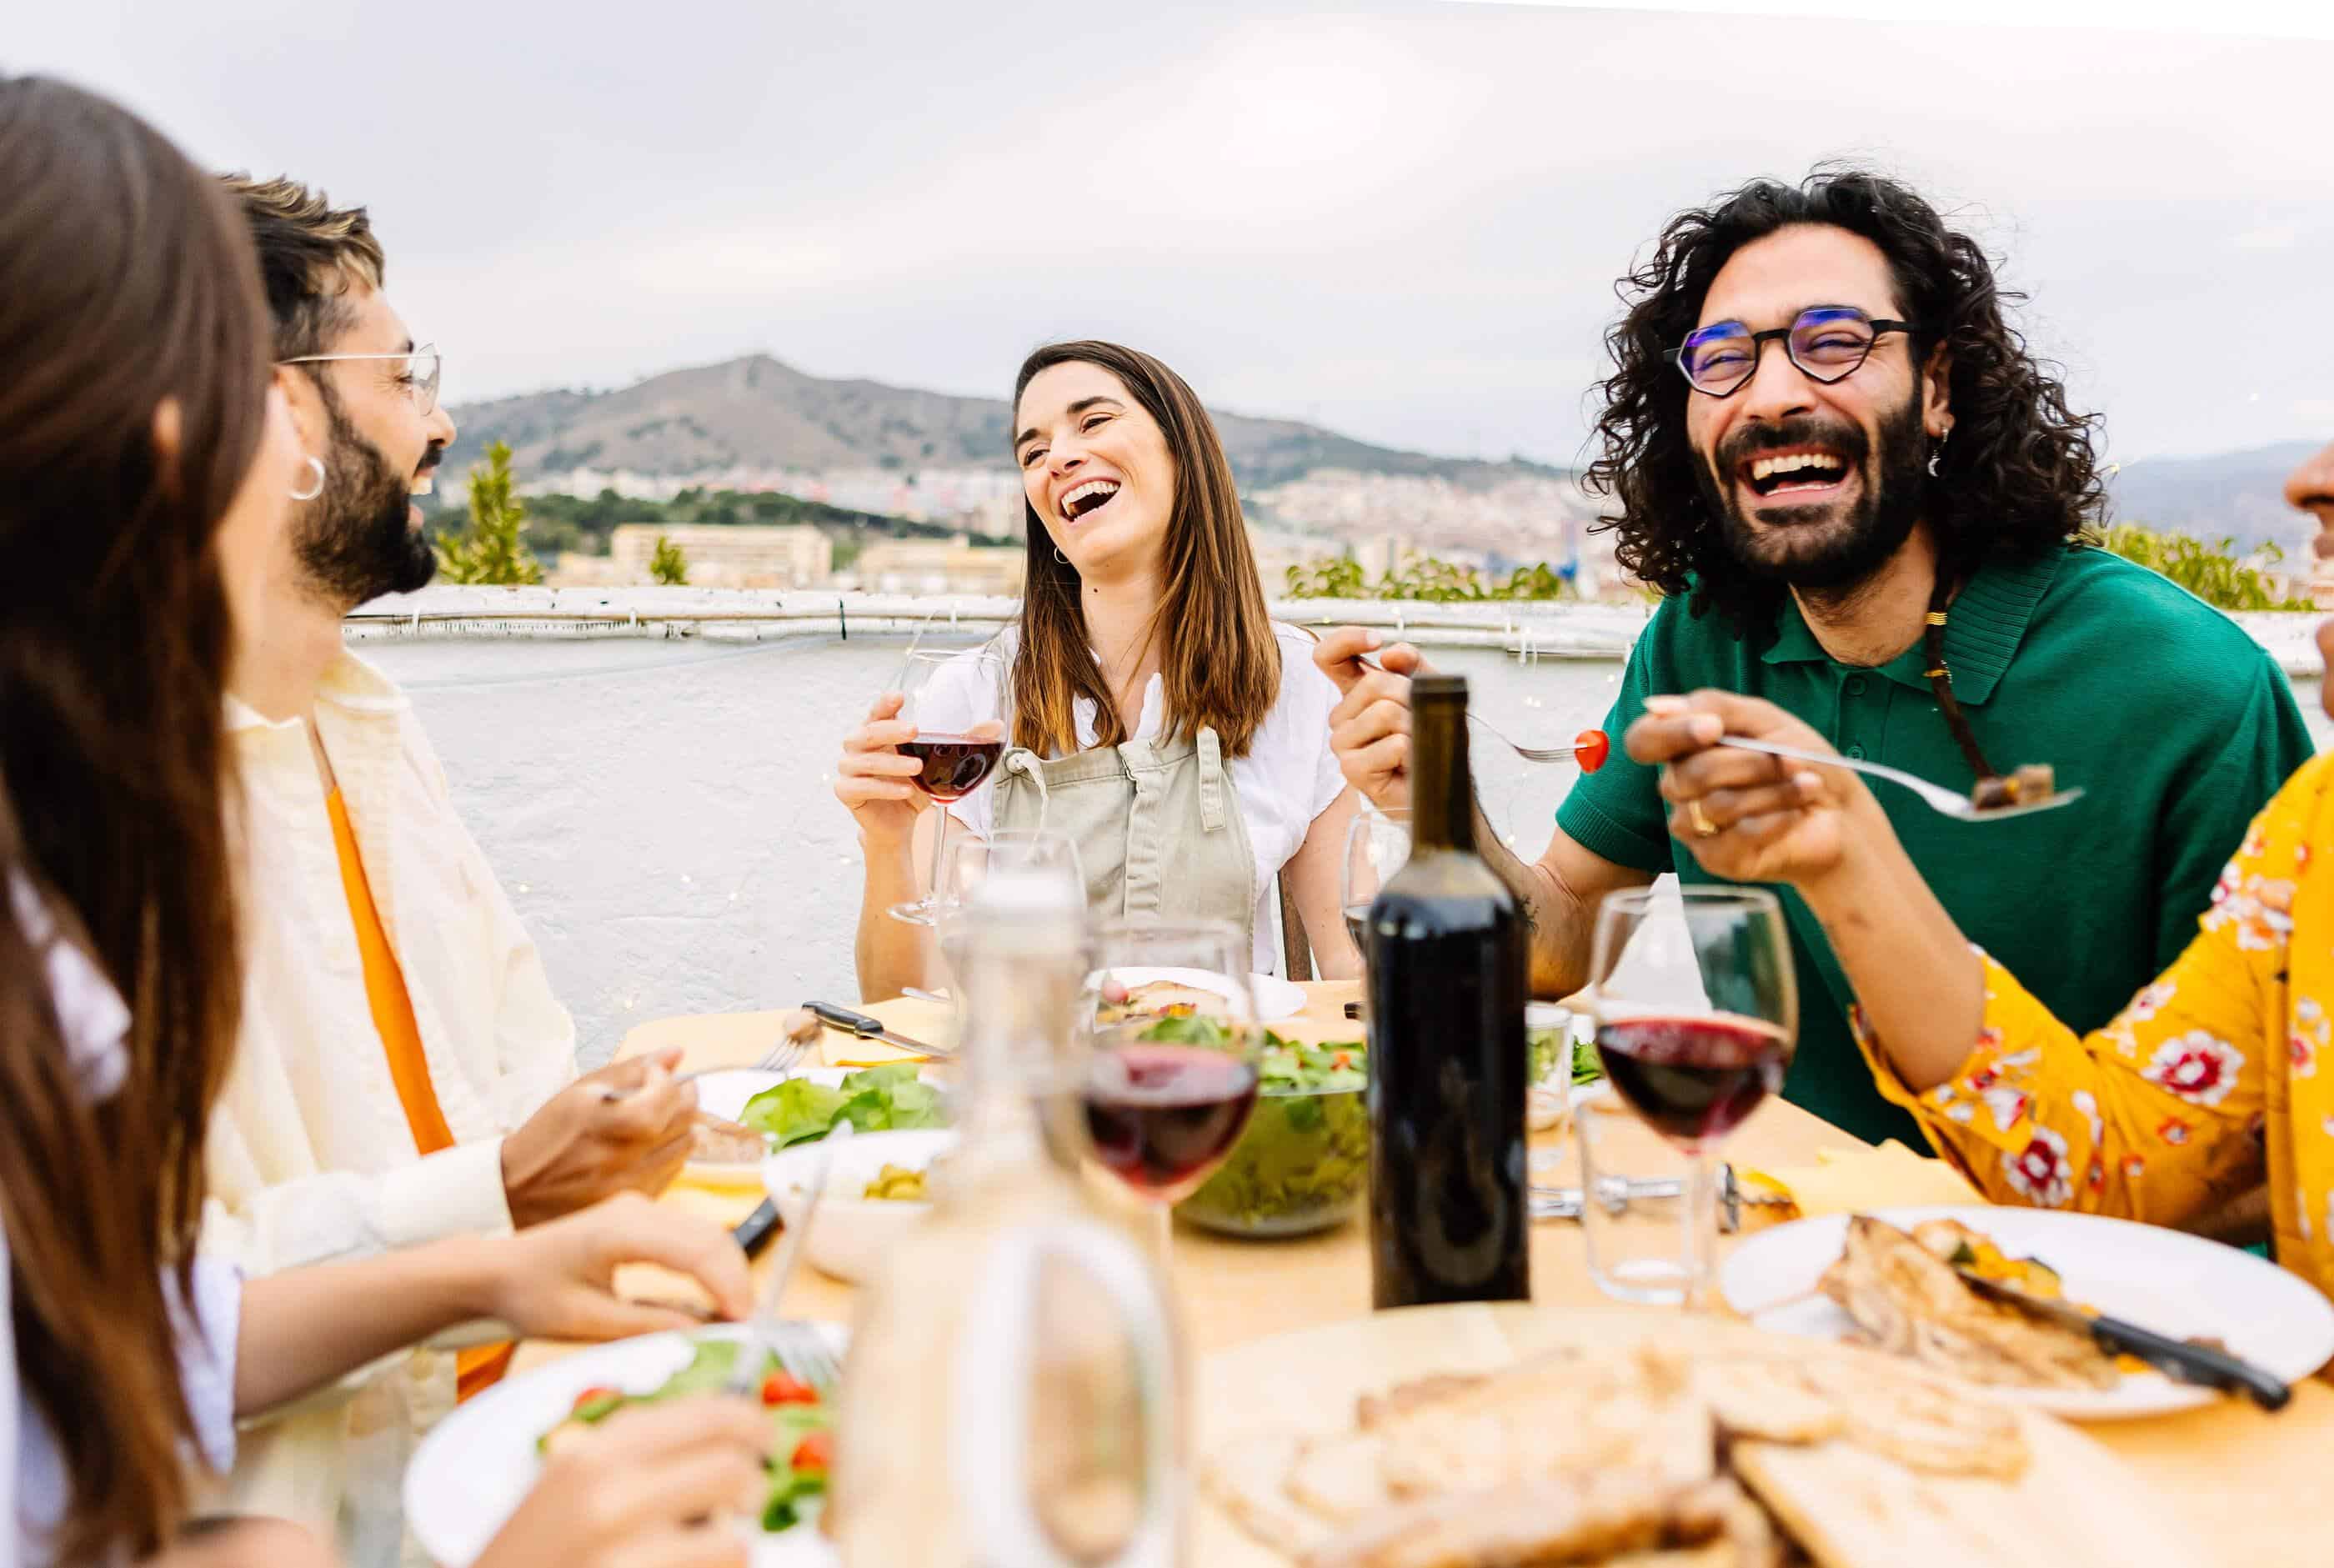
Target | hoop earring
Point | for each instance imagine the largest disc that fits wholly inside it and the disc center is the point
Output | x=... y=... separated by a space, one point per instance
x=316 y=487
x=1059 y=556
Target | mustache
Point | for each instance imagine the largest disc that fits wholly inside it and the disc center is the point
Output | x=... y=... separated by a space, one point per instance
x=1846 y=439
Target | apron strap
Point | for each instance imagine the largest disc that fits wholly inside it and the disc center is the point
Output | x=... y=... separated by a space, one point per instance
x=1212 y=783
x=1024 y=761
x=1146 y=834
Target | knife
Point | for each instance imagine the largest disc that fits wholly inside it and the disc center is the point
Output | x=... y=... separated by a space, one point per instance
x=1616 y=1193
x=2182 y=1358
x=866 y=1028
x=756 y=1230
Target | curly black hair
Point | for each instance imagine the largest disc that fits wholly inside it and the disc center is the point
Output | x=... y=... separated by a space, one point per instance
x=2019 y=477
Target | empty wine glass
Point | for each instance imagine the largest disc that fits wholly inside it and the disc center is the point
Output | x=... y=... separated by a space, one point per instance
x=1172 y=1073
x=954 y=699
x=969 y=861
x=1377 y=845
x=1695 y=1003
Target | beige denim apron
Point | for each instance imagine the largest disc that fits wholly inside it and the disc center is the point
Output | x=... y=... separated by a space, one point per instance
x=1158 y=828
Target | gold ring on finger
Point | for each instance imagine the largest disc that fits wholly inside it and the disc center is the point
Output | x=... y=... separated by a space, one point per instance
x=1702 y=825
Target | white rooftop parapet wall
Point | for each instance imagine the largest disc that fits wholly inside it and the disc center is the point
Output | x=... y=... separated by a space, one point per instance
x=1559 y=628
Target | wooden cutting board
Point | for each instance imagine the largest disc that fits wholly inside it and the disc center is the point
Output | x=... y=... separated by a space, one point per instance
x=2075 y=1506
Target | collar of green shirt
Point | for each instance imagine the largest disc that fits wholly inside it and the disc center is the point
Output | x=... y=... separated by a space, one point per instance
x=1982 y=631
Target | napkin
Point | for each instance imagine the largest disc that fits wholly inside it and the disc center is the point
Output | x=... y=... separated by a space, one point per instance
x=933 y=1023
x=1858 y=1180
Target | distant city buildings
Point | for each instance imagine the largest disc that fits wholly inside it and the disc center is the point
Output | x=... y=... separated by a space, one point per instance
x=936 y=566
x=1378 y=520
x=718 y=555
x=986 y=501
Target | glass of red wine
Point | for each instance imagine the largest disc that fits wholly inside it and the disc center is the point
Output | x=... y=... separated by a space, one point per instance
x=1172 y=1076
x=954 y=698
x=1696 y=1007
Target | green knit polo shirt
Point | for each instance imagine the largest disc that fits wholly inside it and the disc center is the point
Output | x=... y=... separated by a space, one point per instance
x=2175 y=723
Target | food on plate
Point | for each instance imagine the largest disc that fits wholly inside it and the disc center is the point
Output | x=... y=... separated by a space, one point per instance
x=717 y=1140
x=897 y=1184
x=1303 y=1162
x=2034 y=782
x=1902 y=1289
x=1647 y=1456
x=1154 y=999
x=800 y=1459
x=890 y=1099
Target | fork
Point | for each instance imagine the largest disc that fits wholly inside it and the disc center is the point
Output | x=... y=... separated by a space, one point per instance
x=1938 y=797
x=799 y=1347
x=780 y=1059
x=1540 y=753
x=1528 y=753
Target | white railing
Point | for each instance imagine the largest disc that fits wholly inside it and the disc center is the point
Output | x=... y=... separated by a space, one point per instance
x=1538 y=629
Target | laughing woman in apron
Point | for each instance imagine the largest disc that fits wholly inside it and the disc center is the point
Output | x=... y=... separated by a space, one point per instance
x=1151 y=709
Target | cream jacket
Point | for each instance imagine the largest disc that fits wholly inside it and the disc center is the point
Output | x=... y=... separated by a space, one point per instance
x=310 y=1156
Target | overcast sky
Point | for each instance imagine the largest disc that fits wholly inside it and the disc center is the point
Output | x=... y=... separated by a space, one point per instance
x=1401 y=220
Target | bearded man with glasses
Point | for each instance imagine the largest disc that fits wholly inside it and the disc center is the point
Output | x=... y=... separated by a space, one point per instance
x=402 y=1069
x=1866 y=502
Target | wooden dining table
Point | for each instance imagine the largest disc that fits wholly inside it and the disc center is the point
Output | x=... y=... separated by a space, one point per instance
x=2252 y=1486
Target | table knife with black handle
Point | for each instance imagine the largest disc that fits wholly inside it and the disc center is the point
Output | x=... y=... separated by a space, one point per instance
x=2182 y=1359
x=870 y=1028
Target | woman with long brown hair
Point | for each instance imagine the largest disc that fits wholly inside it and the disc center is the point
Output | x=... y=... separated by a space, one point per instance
x=145 y=467
x=1144 y=662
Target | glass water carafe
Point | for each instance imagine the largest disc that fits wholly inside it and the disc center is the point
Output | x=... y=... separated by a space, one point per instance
x=1014 y=1393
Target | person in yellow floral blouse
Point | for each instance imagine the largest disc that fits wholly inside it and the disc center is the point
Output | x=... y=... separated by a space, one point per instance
x=2217 y=1078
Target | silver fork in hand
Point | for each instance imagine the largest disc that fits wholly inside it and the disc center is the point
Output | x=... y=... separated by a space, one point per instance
x=1935 y=796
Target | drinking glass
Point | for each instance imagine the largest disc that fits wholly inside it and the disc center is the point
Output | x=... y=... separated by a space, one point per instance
x=1696 y=1010
x=1377 y=845
x=1172 y=1074
x=969 y=861
x=953 y=699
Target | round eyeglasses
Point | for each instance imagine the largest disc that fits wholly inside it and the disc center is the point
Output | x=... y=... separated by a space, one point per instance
x=1828 y=343
x=418 y=374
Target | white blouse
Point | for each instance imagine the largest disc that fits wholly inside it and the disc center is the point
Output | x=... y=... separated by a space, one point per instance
x=33 y=1485
x=1288 y=777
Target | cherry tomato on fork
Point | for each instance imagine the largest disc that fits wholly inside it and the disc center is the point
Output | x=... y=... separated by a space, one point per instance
x=1592 y=747
x=779 y=1389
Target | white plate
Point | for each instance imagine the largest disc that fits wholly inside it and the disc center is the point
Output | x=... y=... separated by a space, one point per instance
x=725 y=1092
x=1276 y=1000
x=852 y=1233
x=2166 y=1280
x=477 y=1466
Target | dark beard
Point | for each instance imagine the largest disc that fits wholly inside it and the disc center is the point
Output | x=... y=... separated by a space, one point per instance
x=356 y=542
x=1875 y=527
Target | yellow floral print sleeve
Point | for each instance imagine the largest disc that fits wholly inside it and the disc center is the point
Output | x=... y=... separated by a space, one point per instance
x=2207 y=1085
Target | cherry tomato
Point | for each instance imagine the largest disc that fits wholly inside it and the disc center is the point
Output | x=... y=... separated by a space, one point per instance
x=1595 y=746
x=815 y=1452
x=778 y=1389
x=592 y=1396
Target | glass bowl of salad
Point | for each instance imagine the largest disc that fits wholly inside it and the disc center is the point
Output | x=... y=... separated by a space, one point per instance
x=1303 y=1164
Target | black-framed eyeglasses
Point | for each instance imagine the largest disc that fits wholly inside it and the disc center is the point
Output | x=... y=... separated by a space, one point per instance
x=420 y=374
x=1826 y=343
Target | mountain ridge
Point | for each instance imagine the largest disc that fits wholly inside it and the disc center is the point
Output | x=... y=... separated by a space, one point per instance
x=759 y=412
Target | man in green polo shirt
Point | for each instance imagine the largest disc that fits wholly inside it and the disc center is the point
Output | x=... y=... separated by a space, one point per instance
x=1864 y=503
